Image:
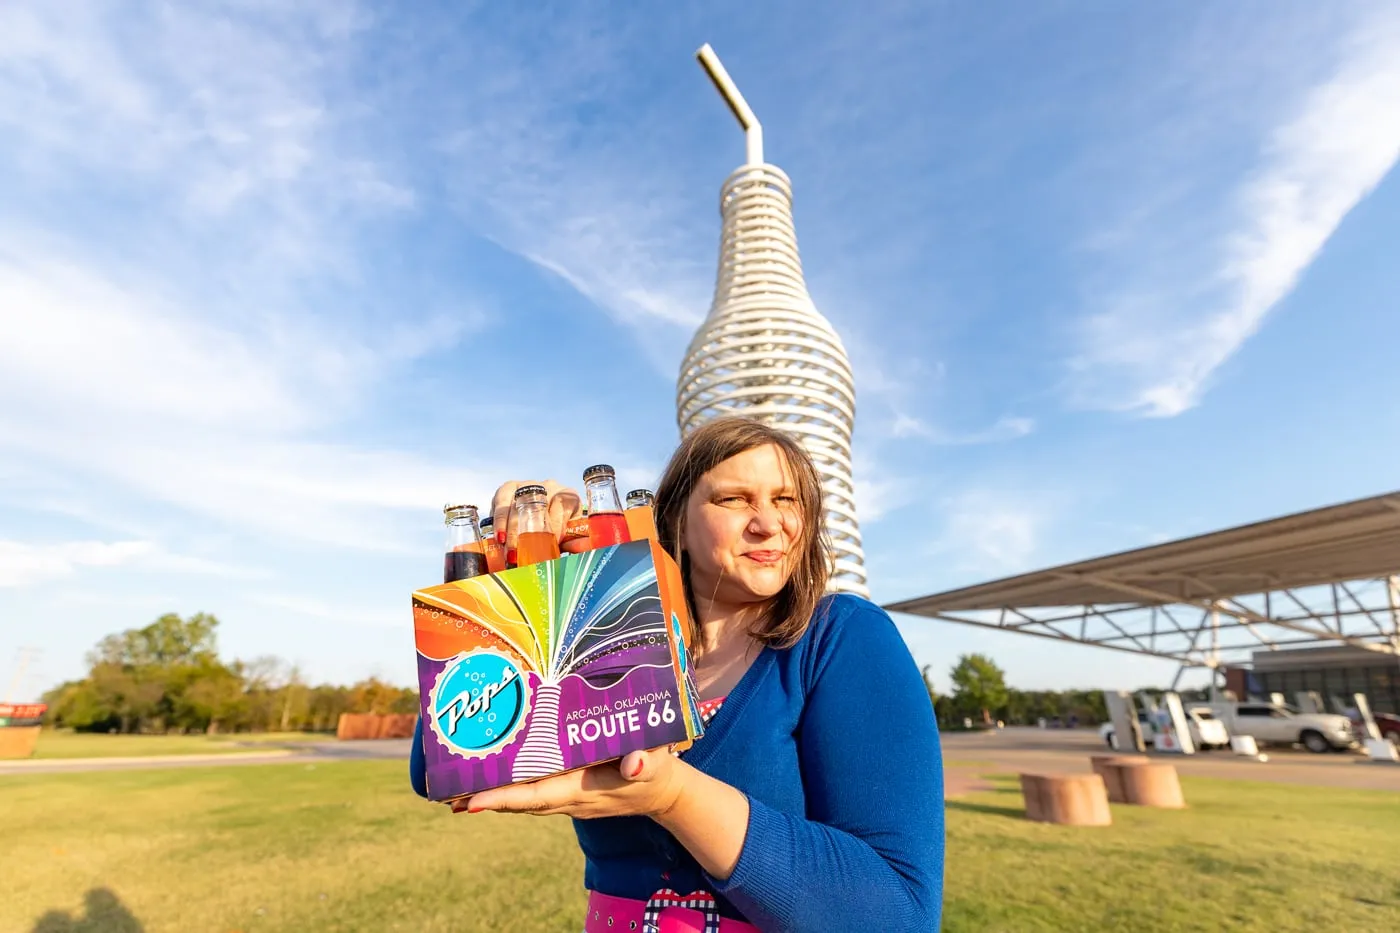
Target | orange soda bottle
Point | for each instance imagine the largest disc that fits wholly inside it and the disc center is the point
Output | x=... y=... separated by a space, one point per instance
x=606 y=524
x=641 y=518
x=534 y=541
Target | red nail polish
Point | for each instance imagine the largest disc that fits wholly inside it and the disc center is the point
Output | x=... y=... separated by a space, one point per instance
x=638 y=770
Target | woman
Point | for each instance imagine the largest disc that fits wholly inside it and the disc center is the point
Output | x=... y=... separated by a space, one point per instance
x=814 y=800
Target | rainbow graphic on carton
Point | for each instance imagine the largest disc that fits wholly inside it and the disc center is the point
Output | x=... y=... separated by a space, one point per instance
x=551 y=667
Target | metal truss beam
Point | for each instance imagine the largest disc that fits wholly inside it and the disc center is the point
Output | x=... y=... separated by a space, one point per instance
x=1152 y=627
x=1239 y=612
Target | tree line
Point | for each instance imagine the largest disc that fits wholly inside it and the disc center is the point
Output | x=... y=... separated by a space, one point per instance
x=979 y=692
x=168 y=677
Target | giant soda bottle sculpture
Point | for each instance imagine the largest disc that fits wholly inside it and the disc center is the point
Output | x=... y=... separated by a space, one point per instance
x=765 y=351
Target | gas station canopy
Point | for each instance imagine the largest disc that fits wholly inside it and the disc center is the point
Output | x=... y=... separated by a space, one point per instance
x=1327 y=575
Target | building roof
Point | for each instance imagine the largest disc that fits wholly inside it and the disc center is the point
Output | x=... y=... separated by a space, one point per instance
x=1233 y=573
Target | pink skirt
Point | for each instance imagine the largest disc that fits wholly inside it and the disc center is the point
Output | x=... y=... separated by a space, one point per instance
x=665 y=912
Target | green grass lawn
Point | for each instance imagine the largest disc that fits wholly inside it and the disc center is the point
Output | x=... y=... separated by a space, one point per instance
x=59 y=743
x=346 y=846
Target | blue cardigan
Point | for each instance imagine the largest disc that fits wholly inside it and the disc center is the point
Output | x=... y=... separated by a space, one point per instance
x=834 y=742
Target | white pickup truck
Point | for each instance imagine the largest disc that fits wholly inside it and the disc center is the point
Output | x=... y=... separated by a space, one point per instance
x=1279 y=725
x=1207 y=732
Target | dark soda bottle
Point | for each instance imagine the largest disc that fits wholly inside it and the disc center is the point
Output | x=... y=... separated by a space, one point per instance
x=641 y=519
x=606 y=523
x=495 y=551
x=534 y=540
x=465 y=557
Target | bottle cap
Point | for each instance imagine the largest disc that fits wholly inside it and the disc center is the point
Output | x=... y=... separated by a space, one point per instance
x=487 y=522
x=640 y=494
x=598 y=470
x=457 y=508
x=533 y=489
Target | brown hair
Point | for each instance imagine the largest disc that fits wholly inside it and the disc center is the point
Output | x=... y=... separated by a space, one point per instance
x=790 y=611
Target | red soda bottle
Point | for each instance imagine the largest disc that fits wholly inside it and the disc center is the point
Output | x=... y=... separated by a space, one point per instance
x=534 y=541
x=606 y=523
x=464 y=555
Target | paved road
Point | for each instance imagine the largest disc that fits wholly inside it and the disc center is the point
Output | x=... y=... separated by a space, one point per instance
x=289 y=753
x=970 y=754
x=1029 y=749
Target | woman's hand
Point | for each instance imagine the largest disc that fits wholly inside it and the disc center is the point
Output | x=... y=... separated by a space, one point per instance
x=641 y=784
x=564 y=504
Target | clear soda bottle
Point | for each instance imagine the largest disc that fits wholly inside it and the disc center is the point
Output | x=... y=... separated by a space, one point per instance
x=464 y=555
x=606 y=523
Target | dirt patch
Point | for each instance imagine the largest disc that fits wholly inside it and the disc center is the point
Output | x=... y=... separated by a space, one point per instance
x=959 y=781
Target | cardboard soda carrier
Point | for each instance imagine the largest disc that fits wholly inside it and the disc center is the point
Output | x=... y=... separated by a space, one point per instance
x=554 y=665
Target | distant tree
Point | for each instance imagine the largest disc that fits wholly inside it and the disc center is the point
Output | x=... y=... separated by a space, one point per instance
x=169 y=640
x=214 y=702
x=940 y=703
x=978 y=684
x=167 y=676
x=375 y=696
x=295 y=700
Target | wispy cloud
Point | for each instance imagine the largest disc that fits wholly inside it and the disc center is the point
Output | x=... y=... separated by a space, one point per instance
x=25 y=564
x=993 y=531
x=554 y=160
x=1003 y=429
x=183 y=411
x=311 y=607
x=178 y=356
x=1155 y=349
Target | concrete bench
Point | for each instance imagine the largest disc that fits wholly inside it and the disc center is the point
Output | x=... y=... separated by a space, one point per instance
x=1111 y=776
x=1066 y=799
x=1144 y=784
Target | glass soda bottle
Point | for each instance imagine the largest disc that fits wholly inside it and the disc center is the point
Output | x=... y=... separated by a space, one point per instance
x=534 y=541
x=606 y=523
x=576 y=538
x=641 y=518
x=495 y=551
x=464 y=555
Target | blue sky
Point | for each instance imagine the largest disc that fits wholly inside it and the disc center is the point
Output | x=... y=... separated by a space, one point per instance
x=277 y=280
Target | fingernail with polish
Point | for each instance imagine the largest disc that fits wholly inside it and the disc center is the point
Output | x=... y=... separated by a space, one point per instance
x=638 y=770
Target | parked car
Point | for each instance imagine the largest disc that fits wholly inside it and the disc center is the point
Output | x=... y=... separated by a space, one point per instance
x=1207 y=731
x=1388 y=724
x=1271 y=724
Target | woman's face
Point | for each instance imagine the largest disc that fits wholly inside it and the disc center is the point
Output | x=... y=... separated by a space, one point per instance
x=743 y=528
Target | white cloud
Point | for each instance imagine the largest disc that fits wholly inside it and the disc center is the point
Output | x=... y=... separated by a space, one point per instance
x=117 y=382
x=179 y=357
x=26 y=563
x=541 y=167
x=74 y=340
x=215 y=104
x=22 y=564
x=1006 y=428
x=876 y=497
x=397 y=617
x=1155 y=350
x=993 y=532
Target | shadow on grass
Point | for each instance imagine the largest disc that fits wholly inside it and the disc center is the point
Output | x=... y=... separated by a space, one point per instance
x=102 y=912
x=1018 y=813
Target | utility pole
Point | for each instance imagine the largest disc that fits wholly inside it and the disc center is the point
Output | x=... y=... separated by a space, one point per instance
x=25 y=657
